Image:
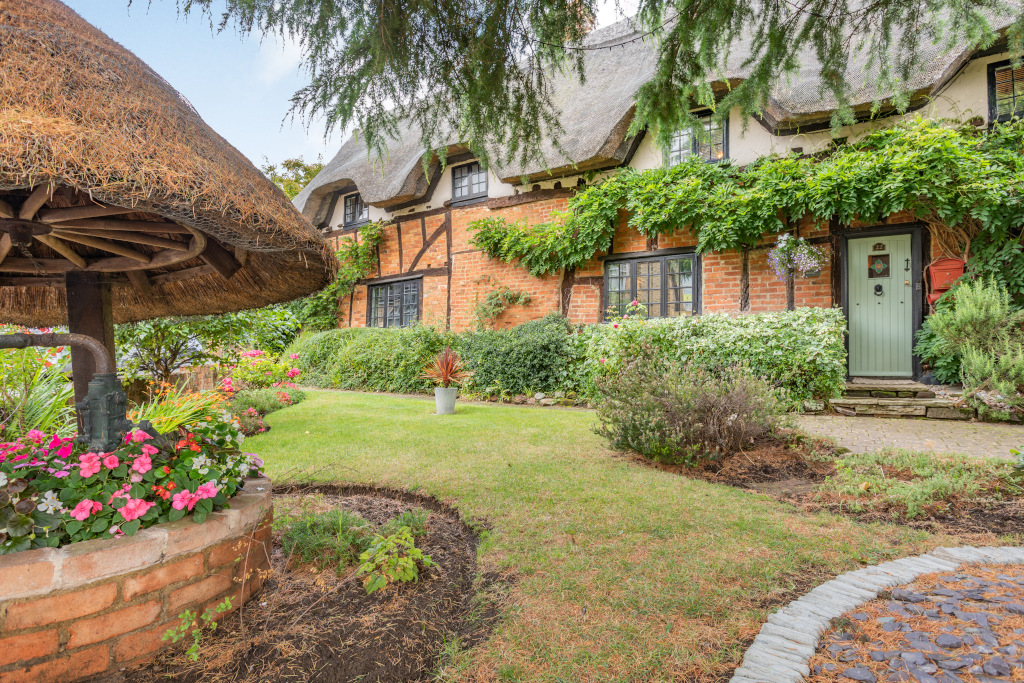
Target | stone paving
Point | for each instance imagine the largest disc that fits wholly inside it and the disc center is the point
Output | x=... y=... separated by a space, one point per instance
x=783 y=649
x=865 y=434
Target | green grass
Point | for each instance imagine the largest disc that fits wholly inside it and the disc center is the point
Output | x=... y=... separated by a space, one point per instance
x=913 y=482
x=623 y=572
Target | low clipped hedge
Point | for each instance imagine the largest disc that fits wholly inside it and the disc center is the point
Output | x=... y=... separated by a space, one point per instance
x=801 y=353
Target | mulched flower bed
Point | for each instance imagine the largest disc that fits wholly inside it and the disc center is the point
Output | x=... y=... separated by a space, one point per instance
x=307 y=625
x=942 y=628
x=793 y=472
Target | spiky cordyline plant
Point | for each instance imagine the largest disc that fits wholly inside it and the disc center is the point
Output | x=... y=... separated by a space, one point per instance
x=447 y=369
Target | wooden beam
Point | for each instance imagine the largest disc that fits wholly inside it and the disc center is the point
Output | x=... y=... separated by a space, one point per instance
x=241 y=255
x=35 y=201
x=62 y=249
x=220 y=258
x=47 y=281
x=36 y=265
x=137 y=237
x=186 y=274
x=76 y=212
x=105 y=245
x=90 y=312
x=6 y=210
x=140 y=281
x=133 y=226
x=5 y=246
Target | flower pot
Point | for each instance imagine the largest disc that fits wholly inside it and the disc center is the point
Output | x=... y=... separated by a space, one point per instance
x=445 y=399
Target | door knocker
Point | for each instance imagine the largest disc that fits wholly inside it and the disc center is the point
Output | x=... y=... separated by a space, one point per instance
x=878 y=290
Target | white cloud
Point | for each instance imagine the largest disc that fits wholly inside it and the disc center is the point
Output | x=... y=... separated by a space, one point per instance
x=610 y=11
x=279 y=58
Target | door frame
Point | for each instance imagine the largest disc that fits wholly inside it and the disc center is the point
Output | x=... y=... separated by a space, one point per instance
x=916 y=232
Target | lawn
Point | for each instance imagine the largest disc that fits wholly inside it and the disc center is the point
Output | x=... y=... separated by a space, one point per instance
x=622 y=572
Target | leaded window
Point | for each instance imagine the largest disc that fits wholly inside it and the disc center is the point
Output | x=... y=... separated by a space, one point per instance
x=356 y=212
x=396 y=304
x=666 y=285
x=708 y=145
x=469 y=182
x=1006 y=92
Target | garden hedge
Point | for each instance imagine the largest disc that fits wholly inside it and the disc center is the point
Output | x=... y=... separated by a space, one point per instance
x=801 y=352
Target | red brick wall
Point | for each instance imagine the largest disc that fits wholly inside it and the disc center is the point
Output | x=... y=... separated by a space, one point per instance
x=96 y=606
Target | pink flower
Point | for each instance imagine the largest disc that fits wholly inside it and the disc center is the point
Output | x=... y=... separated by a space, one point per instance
x=616 y=325
x=207 y=490
x=86 y=508
x=294 y=356
x=184 y=499
x=64 y=450
x=135 y=508
x=142 y=464
x=634 y=303
x=54 y=442
x=138 y=436
x=294 y=372
x=149 y=450
x=89 y=465
x=135 y=478
x=602 y=360
x=115 y=531
x=110 y=461
x=35 y=436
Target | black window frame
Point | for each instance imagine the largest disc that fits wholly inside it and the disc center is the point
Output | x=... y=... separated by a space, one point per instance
x=373 y=309
x=663 y=258
x=993 y=108
x=475 y=196
x=695 y=143
x=362 y=218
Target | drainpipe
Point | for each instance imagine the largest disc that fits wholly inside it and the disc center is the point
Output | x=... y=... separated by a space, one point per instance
x=103 y=412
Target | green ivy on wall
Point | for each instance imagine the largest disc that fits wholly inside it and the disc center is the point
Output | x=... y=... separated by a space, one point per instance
x=945 y=173
x=357 y=258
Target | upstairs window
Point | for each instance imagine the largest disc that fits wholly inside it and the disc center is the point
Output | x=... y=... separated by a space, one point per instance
x=710 y=145
x=356 y=212
x=1005 y=92
x=469 y=182
x=666 y=285
x=396 y=304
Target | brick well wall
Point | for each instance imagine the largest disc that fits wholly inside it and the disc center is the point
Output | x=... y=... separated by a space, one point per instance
x=73 y=612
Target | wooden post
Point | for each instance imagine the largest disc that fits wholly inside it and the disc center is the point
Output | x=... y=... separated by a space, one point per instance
x=89 y=312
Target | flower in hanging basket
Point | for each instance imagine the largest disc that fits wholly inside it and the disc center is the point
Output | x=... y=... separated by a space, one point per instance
x=794 y=255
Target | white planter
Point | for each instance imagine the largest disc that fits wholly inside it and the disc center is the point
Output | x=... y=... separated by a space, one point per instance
x=445 y=397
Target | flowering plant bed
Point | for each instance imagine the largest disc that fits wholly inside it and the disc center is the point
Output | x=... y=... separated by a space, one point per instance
x=53 y=492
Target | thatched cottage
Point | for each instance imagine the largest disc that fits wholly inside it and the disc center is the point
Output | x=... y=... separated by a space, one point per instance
x=429 y=270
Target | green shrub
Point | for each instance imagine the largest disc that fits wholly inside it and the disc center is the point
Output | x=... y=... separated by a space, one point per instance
x=680 y=414
x=531 y=357
x=979 y=330
x=801 y=353
x=326 y=539
x=944 y=364
x=369 y=359
x=392 y=558
x=265 y=401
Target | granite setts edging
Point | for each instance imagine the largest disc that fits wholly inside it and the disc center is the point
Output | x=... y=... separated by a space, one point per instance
x=782 y=649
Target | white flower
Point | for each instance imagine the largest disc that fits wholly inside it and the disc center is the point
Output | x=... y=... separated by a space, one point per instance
x=3 y=479
x=50 y=503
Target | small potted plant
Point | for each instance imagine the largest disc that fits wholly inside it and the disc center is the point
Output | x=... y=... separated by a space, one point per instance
x=446 y=370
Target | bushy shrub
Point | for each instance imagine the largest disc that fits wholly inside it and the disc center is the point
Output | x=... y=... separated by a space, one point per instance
x=531 y=357
x=390 y=559
x=979 y=329
x=266 y=401
x=679 y=414
x=258 y=369
x=368 y=358
x=801 y=353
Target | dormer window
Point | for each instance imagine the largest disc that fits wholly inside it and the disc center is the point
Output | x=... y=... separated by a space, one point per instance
x=356 y=212
x=469 y=181
x=711 y=145
x=1005 y=92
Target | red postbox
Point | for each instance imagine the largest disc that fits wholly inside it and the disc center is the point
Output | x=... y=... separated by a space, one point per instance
x=943 y=273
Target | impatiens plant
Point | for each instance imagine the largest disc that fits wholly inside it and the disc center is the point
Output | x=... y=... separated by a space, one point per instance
x=55 y=493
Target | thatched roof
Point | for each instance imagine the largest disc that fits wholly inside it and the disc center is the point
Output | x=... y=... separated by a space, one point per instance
x=596 y=116
x=176 y=218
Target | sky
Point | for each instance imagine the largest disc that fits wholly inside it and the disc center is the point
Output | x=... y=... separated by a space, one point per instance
x=240 y=85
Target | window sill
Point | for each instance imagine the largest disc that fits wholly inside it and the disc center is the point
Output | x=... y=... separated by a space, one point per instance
x=466 y=201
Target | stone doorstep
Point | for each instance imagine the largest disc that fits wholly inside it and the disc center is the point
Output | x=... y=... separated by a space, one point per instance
x=933 y=408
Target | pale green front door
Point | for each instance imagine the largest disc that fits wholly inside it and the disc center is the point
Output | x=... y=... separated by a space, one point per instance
x=880 y=289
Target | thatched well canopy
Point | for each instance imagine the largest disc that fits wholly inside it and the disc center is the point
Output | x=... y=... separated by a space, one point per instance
x=107 y=172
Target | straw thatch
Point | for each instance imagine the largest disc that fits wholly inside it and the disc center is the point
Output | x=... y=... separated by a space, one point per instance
x=172 y=215
x=596 y=116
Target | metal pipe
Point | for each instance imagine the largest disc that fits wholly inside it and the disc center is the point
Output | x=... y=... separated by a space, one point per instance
x=20 y=340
